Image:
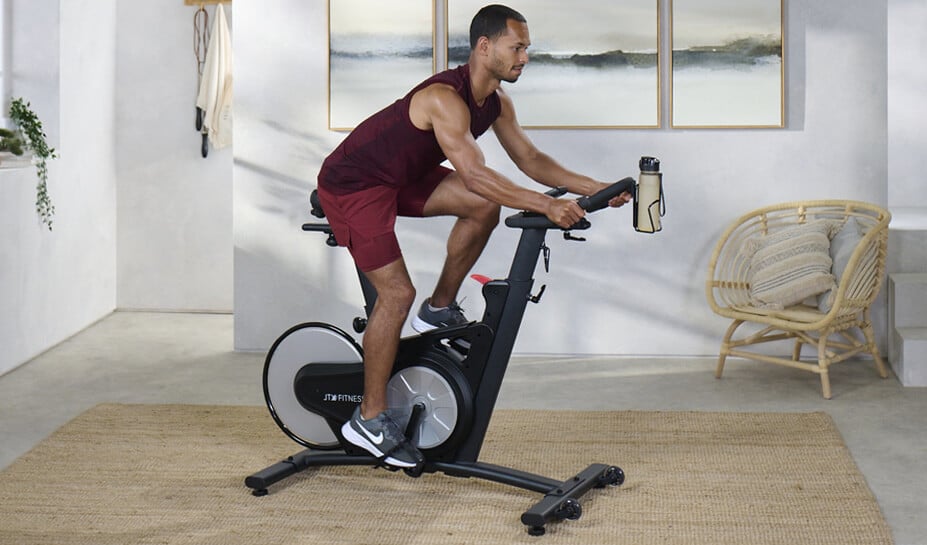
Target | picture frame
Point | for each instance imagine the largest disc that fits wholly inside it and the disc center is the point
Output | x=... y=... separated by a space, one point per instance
x=592 y=64
x=378 y=51
x=728 y=64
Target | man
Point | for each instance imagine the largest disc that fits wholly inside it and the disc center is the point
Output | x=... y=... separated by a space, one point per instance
x=391 y=165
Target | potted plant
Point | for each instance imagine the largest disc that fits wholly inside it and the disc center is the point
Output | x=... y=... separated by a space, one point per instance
x=30 y=136
x=10 y=142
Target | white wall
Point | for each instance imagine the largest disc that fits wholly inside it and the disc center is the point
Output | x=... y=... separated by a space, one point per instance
x=621 y=292
x=35 y=46
x=53 y=284
x=174 y=228
x=907 y=111
x=124 y=110
x=174 y=233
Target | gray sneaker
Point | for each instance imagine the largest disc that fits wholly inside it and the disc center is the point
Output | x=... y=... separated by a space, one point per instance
x=428 y=319
x=381 y=437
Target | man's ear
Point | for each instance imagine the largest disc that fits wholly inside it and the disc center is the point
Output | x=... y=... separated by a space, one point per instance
x=482 y=45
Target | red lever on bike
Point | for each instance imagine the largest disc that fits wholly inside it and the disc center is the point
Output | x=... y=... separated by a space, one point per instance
x=481 y=278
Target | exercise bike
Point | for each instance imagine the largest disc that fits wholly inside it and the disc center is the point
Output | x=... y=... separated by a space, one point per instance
x=444 y=384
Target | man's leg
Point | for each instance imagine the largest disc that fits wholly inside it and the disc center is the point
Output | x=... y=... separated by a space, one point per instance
x=363 y=220
x=370 y=427
x=476 y=219
x=395 y=295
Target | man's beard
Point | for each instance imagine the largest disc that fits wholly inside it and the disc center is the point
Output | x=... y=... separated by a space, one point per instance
x=504 y=74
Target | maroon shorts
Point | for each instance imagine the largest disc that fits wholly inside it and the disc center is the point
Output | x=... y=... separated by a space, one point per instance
x=364 y=220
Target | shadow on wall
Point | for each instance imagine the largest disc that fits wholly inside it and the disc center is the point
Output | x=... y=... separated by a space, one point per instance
x=283 y=276
x=630 y=302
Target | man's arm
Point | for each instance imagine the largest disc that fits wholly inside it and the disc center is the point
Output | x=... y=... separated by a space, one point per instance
x=536 y=164
x=439 y=108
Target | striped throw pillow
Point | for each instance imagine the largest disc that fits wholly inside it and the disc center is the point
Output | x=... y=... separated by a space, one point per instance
x=790 y=265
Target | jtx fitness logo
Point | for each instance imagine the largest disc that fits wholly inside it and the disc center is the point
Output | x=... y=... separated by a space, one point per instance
x=342 y=398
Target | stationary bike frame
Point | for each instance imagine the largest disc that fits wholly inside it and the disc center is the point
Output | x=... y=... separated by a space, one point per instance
x=490 y=341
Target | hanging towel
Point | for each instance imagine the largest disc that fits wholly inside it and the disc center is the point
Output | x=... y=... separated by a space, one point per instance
x=215 y=96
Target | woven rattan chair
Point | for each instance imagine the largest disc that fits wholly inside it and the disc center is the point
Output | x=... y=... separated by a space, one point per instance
x=834 y=332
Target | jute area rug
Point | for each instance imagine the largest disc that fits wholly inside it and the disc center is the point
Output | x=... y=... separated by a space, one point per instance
x=174 y=474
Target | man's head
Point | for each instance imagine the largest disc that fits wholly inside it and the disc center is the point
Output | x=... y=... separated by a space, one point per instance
x=491 y=21
x=499 y=36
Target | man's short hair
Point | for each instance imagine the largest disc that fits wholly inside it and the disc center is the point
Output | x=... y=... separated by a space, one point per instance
x=492 y=22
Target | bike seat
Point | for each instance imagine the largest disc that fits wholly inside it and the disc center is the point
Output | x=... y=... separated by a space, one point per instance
x=315 y=204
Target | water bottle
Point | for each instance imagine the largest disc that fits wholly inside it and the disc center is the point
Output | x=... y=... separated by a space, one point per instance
x=649 y=205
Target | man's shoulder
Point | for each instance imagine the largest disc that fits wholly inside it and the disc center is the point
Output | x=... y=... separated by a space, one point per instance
x=444 y=85
x=456 y=78
x=437 y=99
x=439 y=89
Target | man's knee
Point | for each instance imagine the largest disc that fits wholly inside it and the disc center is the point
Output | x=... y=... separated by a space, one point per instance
x=394 y=288
x=406 y=296
x=399 y=296
x=488 y=214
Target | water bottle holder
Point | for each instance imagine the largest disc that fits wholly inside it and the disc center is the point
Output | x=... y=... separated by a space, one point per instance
x=661 y=211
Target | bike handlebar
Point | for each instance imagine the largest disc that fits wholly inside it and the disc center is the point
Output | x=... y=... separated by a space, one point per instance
x=530 y=220
x=556 y=192
x=600 y=199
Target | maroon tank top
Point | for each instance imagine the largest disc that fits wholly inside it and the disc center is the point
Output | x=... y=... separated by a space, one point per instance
x=387 y=149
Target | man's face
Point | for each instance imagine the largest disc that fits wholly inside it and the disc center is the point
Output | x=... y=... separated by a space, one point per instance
x=509 y=52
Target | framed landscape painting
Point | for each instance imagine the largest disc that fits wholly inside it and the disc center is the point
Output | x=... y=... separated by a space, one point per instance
x=592 y=64
x=378 y=51
x=727 y=61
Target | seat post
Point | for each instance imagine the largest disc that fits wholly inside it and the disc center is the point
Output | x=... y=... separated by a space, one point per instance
x=370 y=293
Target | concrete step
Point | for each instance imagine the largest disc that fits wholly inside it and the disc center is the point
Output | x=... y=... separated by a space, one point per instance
x=910 y=364
x=908 y=291
x=907 y=305
x=907 y=252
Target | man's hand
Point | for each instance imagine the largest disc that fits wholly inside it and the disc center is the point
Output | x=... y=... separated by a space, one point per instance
x=620 y=200
x=615 y=202
x=566 y=212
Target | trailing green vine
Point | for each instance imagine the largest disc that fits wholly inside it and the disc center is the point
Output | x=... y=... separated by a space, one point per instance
x=31 y=128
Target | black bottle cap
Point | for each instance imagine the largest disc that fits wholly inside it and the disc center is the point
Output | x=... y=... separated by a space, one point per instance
x=650 y=164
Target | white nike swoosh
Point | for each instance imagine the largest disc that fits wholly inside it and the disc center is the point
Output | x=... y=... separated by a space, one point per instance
x=377 y=439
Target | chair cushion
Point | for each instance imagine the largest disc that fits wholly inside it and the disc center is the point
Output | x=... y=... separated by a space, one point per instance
x=791 y=264
x=841 y=249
